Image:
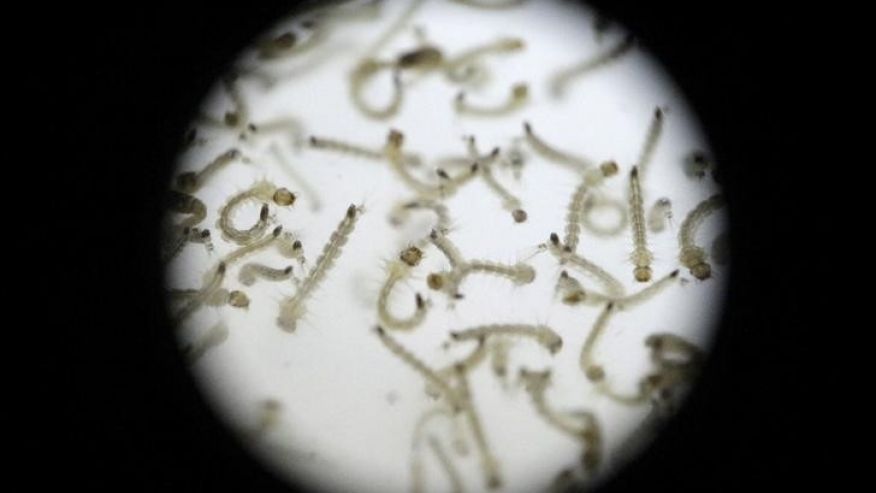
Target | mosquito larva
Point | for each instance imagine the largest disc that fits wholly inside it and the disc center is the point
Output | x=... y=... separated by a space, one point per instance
x=596 y=201
x=429 y=374
x=399 y=270
x=652 y=137
x=288 y=44
x=509 y=201
x=264 y=242
x=562 y=78
x=455 y=68
x=211 y=285
x=542 y=334
x=547 y=151
x=573 y=217
x=518 y=96
x=489 y=464
x=641 y=255
x=242 y=236
x=360 y=78
x=393 y=150
x=592 y=371
x=571 y=289
x=683 y=352
x=442 y=225
x=721 y=249
x=659 y=215
x=269 y=416
x=446 y=464
x=264 y=191
x=292 y=308
x=183 y=203
x=518 y=273
x=695 y=164
x=612 y=286
x=588 y=432
x=213 y=337
x=192 y=181
x=691 y=255
x=307 y=188
x=356 y=150
x=458 y=441
x=252 y=271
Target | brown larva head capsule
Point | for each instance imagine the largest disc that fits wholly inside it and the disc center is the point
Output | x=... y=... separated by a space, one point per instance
x=519 y=215
x=283 y=197
x=395 y=139
x=351 y=211
x=658 y=113
x=595 y=373
x=555 y=239
x=297 y=245
x=411 y=256
x=642 y=273
x=608 y=168
x=238 y=299
x=435 y=281
x=527 y=128
x=231 y=118
x=520 y=91
x=575 y=297
x=221 y=268
x=442 y=174
x=555 y=344
x=263 y=213
x=187 y=181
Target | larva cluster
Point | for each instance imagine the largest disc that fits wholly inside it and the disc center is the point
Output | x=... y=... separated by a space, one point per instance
x=436 y=331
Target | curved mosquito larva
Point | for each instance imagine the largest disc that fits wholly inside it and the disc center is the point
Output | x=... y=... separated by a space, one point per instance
x=213 y=337
x=446 y=464
x=442 y=226
x=695 y=164
x=252 y=271
x=192 y=181
x=509 y=201
x=307 y=188
x=455 y=69
x=394 y=28
x=547 y=151
x=612 y=286
x=429 y=374
x=242 y=236
x=586 y=430
x=659 y=215
x=598 y=201
x=691 y=255
x=246 y=250
x=670 y=349
x=519 y=273
x=518 y=96
x=563 y=77
x=393 y=151
x=652 y=137
x=591 y=370
x=399 y=270
x=211 y=285
x=489 y=465
x=542 y=334
x=183 y=203
x=720 y=250
x=264 y=191
x=360 y=78
x=292 y=308
x=641 y=255
x=290 y=247
x=573 y=217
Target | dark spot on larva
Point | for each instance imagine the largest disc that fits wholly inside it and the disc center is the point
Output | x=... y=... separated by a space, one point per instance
x=296 y=245
x=284 y=197
x=411 y=256
x=351 y=211
x=419 y=301
x=277 y=231
x=555 y=239
x=263 y=213
x=442 y=174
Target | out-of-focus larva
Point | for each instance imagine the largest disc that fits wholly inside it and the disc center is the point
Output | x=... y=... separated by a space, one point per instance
x=641 y=255
x=453 y=399
x=573 y=292
x=692 y=255
x=518 y=96
x=597 y=201
x=652 y=137
x=492 y=4
x=442 y=225
x=583 y=427
x=593 y=371
x=446 y=464
x=393 y=29
x=673 y=350
x=211 y=285
x=287 y=43
x=264 y=191
x=183 y=203
x=552 y=154
x=269 y=416
x=659 y=215
x=721 y=249
x=252 y=271
x=542 y=334
x=518 y=273
x=695 y=164
x=303 y=185
x=489 y=464
x=500 y=350
x=292 y=308
x=562 y=78
x=612 y=286
x=192 y=181
x=420 y=428
x=457 y=69
x=600 y=24
x=214 y=336
x=260 y=244
x=359 y=80
x=678 y=363
x=176 y=238
x=454 y=257
x=399 y=270
x=286 y=125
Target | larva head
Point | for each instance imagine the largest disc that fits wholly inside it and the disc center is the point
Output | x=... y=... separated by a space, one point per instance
x=575 y=297
x=411 y=256
x=395 y=139
x=609 y=168
x=594 y=373
x=642 y=273
x=351 y=211
x=701 y=271
x=238 y=299
x=435 y=281
x=231 y=118
x=523 y=274
x=520 y=91
x=519 y=215
x=442 y=174
x=555 y=239
x=187 y=182
x=553 y=342
x=283 y=197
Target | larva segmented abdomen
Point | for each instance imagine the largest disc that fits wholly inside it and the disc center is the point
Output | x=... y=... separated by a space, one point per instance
x=692 y=255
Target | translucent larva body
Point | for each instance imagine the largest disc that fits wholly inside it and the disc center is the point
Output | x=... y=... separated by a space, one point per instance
x=543 y=334
x=641 y=256
x=692 y=255
x=400 y=270
x=213 y=337
x=552 y=154
x=659 y=215
x=292 y=308
x=573 y=218
x=213 y=283
x=652 y=137
x=191 y=182
x=489 y=464
x=518 y=96
x=253 y=271
x=183 y=203
x=562 y=78
x=612 y=286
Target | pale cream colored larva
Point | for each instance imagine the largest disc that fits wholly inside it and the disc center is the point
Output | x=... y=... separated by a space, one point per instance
x=561 y=79
x=192 y=181
x=398 y=271
x=518 y=97
x=489 y=464
x=542 y=334
x=641 y=255
x=692 y=255
x=552 y=154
